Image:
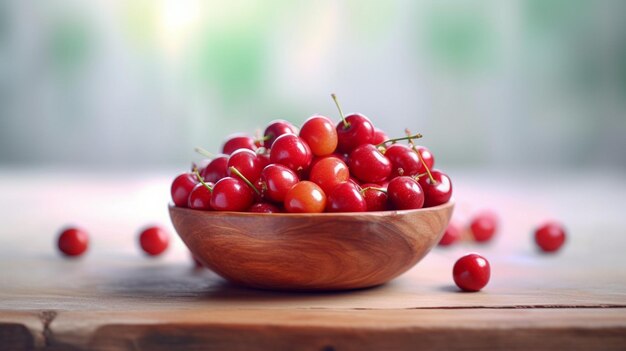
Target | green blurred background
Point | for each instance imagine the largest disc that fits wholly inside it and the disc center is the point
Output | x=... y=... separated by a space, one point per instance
x=138 y=83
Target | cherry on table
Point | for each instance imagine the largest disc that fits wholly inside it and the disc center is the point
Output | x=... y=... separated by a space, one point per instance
x=290 y=150
x=231 y=194
x=346 y=197
x=275 y=129
x=550 y=236
x=405 y=193
x=320 y=134
x=484 y=226
x=471 y=272
x=154 y=240
x=247 y=162
x=238 y=141
x=305 y=197
x=328 y=172
x=181 y=188
x=368 y=165
x=451 y=235
x=353 y=130
x=437 y=188
x=275 y=182
x=73 y=241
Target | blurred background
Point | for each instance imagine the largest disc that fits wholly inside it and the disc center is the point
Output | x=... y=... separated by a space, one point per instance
x=499 y=84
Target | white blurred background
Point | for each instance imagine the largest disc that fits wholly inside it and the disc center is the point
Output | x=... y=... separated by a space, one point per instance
x=138 y=83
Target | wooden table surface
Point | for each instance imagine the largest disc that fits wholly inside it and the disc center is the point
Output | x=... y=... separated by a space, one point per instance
x=114 y=298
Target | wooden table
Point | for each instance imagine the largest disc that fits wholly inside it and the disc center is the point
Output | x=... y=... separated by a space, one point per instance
x=114 y=298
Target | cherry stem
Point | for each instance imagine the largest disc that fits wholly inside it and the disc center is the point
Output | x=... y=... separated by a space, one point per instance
x=202 y=181
x=419 y=155
x=414 y=136
x=430 y=175
x=238 y=174
x=373 y=188
x=204 y=152
x=418 y=176
x=345 y=123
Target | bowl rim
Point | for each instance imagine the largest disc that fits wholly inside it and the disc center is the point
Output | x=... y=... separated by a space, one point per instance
x=172 y=207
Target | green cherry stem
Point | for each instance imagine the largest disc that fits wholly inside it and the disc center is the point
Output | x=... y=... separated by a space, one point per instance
x=430 y=175
x=373 y=188
x=414 y=136
x=202 y=181
x=204 y=152
x=345 y=123
x=238 y=174
x=419 y=155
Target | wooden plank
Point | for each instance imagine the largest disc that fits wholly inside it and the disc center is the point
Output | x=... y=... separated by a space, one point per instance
x=24 y=330
x=429 y=329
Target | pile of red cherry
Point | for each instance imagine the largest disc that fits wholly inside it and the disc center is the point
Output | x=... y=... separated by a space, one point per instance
x=348 y=167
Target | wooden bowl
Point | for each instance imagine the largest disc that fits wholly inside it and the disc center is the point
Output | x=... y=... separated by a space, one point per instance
x=327 y=251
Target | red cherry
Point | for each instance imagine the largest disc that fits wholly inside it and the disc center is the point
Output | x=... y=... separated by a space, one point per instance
x=451 y=235
x=379 y=137
x=353 y=130
x=368 y=164
x=354 y=180
x=216 y=169
x=320 y=134
x=73 y=242
x=231 y=194
x=181 y=188
x=275 y=182
x=427 y=156
x=247 y=162
x=238 y=141
x=291 y=151
x=437 y=192
x=328 y=172
x=375 y=197
x=275 y=129
x=346 y=197
x=200 y=197
x=264 y=158
x=471 y=272
x=264 y=207
x=305 y=197
x=405 y=193
x=550 y=236
x=154 y=240
x=404 y=161
x=484 y=226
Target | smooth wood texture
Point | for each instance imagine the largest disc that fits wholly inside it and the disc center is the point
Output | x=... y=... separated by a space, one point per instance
x=330 y=251
x=115 y=298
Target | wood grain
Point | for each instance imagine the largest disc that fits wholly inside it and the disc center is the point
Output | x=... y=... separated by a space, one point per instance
x=456 y=329
x=311 y=251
